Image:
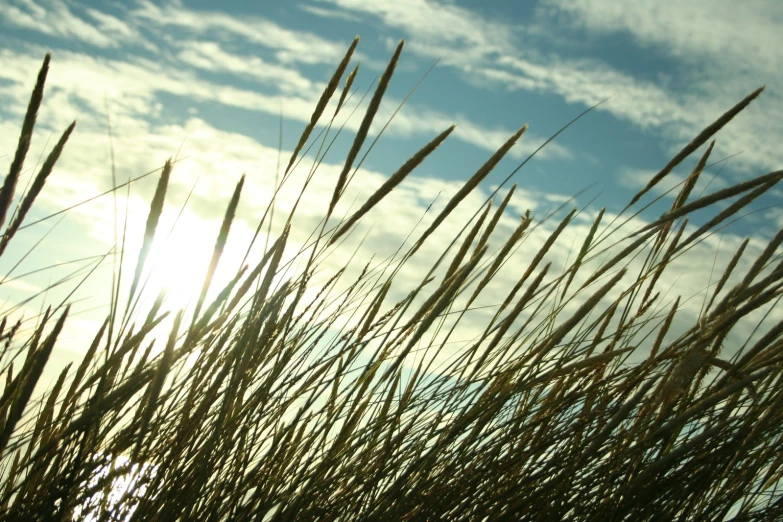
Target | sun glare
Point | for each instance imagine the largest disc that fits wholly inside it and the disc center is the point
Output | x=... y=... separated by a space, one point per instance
x=179 y=260
x=126 y=486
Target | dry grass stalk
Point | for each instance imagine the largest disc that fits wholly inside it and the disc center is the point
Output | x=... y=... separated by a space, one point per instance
x=697 y=142
x=495 y=218
x=394 y=180
x=364 y=127
x=468 y=241
x=35 y=189
x=321 y=105
x=469 y=186
x=25 y=137
x=220 y=244
x=156 y=209
x=715 y=197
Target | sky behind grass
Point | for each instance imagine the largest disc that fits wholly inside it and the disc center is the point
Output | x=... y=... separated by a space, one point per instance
x=208 y=83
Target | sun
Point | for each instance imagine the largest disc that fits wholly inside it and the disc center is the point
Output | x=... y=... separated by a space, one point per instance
x=179 y=260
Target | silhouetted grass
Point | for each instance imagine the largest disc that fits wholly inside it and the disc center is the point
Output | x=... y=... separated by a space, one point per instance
x=254 y=410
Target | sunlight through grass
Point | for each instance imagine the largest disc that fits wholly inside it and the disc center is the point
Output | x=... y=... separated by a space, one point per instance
x=314 y=384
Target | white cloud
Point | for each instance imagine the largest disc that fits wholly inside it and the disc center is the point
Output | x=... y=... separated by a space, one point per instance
x=210 y=56
x=727 y=49
x=55 y=18
x=438 y=24
x=120 y=30
x=723 y=30
x=132 y=88
x=290 y=46
x=329 y=13
x=137 y=81
x=468 y=41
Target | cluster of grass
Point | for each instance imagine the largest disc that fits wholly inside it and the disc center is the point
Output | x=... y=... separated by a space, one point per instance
x=257 y=405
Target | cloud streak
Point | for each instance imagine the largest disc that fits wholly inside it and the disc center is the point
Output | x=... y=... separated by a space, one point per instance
x=468 y=42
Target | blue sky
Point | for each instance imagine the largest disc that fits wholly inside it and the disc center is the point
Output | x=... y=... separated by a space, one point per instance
x=211 y=79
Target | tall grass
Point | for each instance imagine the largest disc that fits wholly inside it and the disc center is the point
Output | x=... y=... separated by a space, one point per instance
x=263 y=404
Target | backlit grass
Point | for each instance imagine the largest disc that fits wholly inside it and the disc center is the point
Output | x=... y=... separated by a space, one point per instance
x=578 y=401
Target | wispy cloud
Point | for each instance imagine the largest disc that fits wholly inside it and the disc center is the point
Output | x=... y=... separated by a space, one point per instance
x=55 y=18
x=334 y=14
x=290 y=46
x=740 y=35
x=689 y=32
x=296 y=46
x=725 y=50
x=210 y=56
x=132 y=87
